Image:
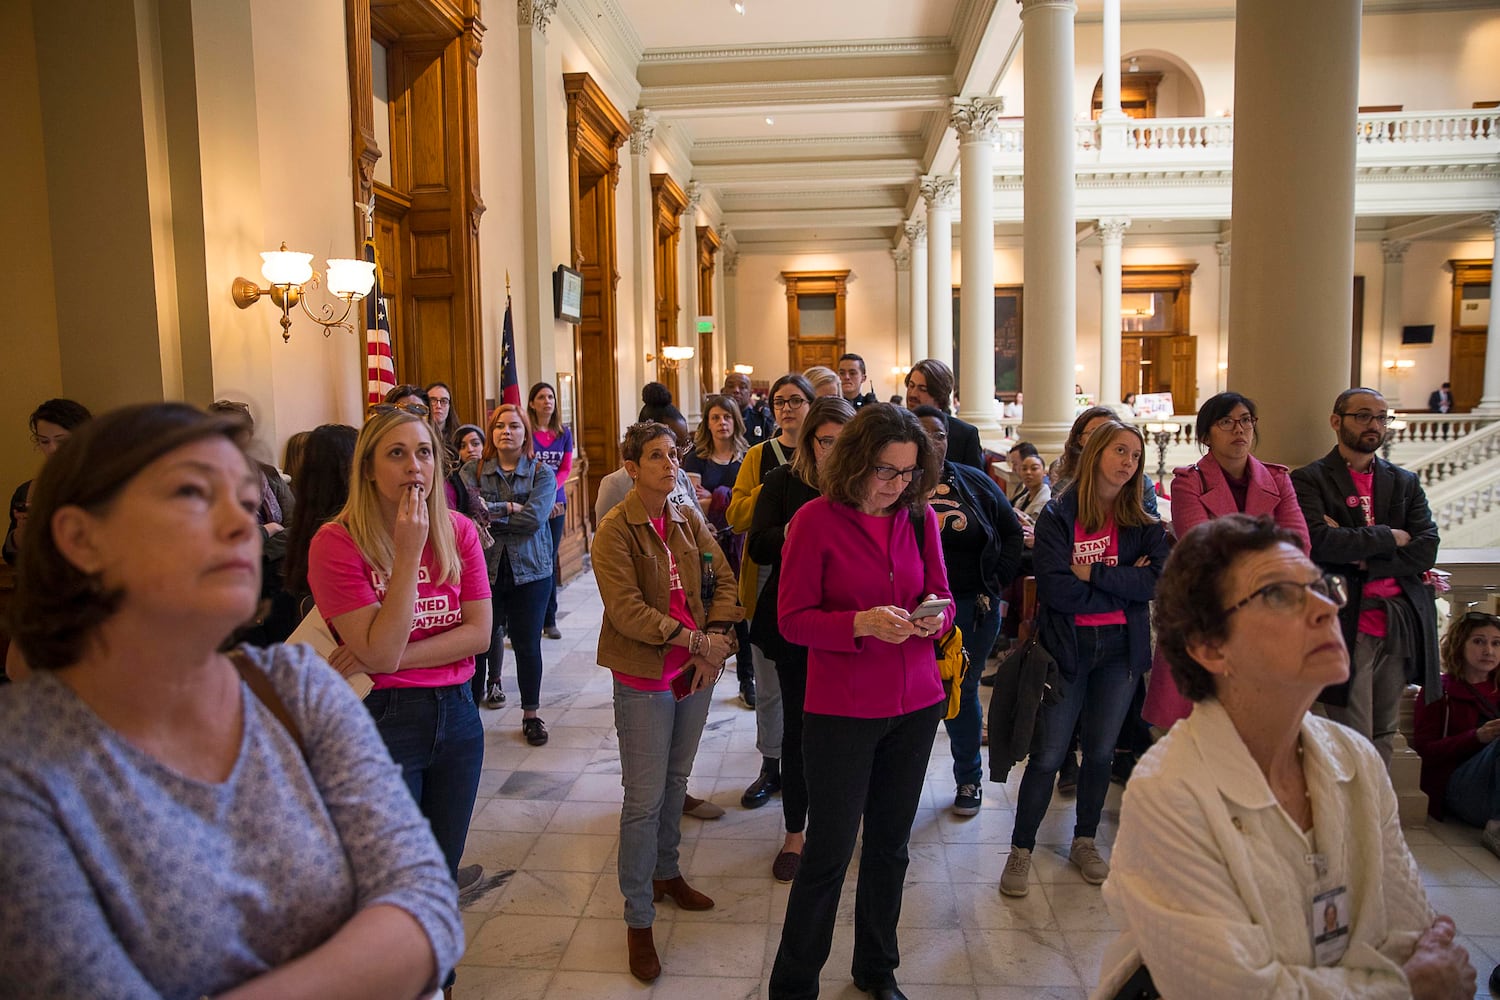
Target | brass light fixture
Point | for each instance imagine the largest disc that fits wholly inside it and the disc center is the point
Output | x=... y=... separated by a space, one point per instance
x=290 y=274
x=671 y=356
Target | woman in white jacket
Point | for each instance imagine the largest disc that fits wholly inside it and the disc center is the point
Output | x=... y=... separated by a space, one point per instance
x=1259 y=852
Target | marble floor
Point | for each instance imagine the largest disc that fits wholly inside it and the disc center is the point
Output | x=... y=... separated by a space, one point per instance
x=546 y=920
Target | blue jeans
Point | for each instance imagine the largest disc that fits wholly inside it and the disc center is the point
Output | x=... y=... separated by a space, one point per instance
x=658 y=741
x=518 y=616
x=964 y=728
x=1100 y=696
x=554 y=525
x=1474 y=789
x=434 y=736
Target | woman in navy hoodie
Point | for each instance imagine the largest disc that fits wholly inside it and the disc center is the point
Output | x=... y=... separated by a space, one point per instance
x=1098 y=555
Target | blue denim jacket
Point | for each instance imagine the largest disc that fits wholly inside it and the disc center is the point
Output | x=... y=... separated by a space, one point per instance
x=522 y=535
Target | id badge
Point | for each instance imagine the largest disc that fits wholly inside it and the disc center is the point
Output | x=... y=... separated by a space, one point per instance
x=1330 y=924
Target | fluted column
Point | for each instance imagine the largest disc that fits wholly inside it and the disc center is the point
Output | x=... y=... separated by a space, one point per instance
x=689 y=390
x=939 y=191
x=916 y=238
x=1293 y=212
x=1221 y=358
x=901 y=258
x=1111 y=238
x=1050 y=267
x=642 y=131
x=1394 y=252
x=533 y=17
x=1489 y=399
x=977 y=122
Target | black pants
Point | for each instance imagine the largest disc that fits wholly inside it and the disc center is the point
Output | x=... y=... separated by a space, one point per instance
x=870 y=769
x=791 y=670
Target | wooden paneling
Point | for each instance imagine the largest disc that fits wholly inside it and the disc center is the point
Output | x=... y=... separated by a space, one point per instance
x=575 y=532
x=804 y=351
x=667 y=205
x=708 y=365
x=1470 y=340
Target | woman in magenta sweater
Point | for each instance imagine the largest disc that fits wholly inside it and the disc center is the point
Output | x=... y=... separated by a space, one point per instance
x=851 y=573
x=554 y=447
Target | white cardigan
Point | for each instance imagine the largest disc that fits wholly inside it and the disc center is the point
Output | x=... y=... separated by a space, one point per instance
x=1211 y=899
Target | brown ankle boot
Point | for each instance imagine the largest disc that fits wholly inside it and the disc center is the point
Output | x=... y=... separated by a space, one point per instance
x=684 y=895
x=644 y=965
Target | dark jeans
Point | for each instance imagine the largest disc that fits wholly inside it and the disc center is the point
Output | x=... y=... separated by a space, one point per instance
x=791 y=670
x=857 y=769
x=434 y=736
x=1097 y=700
x=518 y=616
x=1473 y=793
x=964 y=728
x=554 y=525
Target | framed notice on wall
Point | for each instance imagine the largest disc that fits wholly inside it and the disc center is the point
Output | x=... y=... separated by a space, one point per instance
x=567 y=294
x=1007 y=340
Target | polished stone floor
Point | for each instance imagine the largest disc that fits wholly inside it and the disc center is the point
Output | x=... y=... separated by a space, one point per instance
x=546 y=922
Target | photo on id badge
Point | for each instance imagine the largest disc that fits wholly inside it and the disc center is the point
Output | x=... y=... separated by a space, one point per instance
x=1330 y=921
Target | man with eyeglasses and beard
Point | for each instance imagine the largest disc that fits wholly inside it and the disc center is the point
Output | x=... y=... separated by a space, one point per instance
x=1369 y=521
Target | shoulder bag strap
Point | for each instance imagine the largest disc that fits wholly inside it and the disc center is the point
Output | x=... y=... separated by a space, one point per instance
x=260 y=685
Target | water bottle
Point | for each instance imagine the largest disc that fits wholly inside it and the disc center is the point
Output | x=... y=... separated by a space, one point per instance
x=709 y=580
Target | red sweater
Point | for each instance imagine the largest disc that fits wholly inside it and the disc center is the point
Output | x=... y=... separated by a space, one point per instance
x=1444 y=736
x=837 y=561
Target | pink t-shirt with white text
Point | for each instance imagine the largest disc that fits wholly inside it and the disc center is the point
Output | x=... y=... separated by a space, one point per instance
x=678 y=610
x=1372 y=623
x=342 y=581
x=1102 y=546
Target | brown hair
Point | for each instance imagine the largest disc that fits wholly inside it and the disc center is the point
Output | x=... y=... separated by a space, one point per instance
x=490 y=451
x=703 y=437
x=58 y=607
x=939 y=381
x=1451 y=647
x=1190 y=598
x=1126 y=508
x=825 y=410
x=847 y=470
x=638 y=435
x=1067 y=462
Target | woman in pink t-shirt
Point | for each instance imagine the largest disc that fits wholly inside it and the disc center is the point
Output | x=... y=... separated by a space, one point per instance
x=401 y=580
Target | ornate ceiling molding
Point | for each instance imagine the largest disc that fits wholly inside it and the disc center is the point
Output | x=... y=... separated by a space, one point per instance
x=800 y=50
x=892 y=93
x=872 y=138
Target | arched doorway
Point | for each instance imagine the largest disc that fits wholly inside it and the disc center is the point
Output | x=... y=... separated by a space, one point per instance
x=1155 y=84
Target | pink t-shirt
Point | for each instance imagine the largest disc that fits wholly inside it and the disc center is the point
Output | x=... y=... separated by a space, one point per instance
x=677 y=609
x=342 y=581
x=1102 y=546
x=1372 y=623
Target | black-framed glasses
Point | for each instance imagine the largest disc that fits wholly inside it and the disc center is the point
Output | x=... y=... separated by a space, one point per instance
x=1248 y=422
x=380 y=409
x=826 y=441
x=1291 y=595
x=886 y=473
x=791 y=403
x=1366 y=417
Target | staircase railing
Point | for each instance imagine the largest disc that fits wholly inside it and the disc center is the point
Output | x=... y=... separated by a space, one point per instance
x=1460 y=455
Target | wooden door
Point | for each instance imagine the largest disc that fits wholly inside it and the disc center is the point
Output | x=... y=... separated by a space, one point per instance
x=1130 y=366
x=1470 y=326
x=1182 y=365
x=807 y=346
x=1465 y=371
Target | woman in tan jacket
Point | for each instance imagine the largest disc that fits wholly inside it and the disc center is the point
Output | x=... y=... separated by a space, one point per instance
x=665 y=638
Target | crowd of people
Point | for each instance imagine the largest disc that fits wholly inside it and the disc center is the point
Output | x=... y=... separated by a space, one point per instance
x=833 y=544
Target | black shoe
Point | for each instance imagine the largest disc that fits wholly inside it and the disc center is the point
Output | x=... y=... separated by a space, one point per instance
x=988 y=680
x=493 y=696
x=1067 y=778
x=1121 y=767
x=761 y=789
x=468 y=876
x=535 y=731
x=747 y=692
x=1495 y=981
x=551 y=632
x=890 y=992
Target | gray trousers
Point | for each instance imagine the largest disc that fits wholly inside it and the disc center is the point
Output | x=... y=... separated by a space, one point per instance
x=767 y=692
x=1376 y=683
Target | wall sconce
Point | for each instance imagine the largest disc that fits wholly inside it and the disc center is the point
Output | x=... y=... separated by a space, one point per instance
x=1398 y=366
x=743 y=370
x=671 y=356
x=290 y=274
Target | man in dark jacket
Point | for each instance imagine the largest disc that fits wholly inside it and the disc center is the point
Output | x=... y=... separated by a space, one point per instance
x=1369 y=522
x=852 y=376
x=759 y=424
x=930 y=382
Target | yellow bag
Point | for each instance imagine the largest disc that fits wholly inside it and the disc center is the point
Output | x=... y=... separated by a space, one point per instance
x=953 y=665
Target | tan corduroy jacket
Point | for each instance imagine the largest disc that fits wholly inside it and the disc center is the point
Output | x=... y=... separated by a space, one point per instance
x=633 y=573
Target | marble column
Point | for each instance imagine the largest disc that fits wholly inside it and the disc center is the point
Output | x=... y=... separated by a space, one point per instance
x=689 y=391
x=1221 y=347
x=1489 y=398
x=723 y=319
x=733 y=353
x=901 y=258
x=977 y=121
x=1049 y=232
x=940 y=192
x=643 y=248
x=1111 y=238
x=534 y=16
x=1290 y=310
x=916 y=239
x=1394 y=252
x=1111 y=118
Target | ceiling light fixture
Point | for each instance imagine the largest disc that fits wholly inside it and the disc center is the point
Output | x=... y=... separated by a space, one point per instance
x=739 y=7
x=770 y=120
x=1135 y=67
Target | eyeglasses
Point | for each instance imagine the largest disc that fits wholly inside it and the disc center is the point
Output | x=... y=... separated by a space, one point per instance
x=1230 y=423
x=885 y=473
x=794 y=403
x=1363 y=417
x=380 y=409
x=1482 y=616
x=826 y=441
x=438 y=401
x=1289 y=595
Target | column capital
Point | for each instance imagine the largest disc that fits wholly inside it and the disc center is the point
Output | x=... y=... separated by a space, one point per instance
x=1223 y=250
x=731 y=259
x=1494 y=221
x=535 y=13
x=694 y=194
x=1112 y=231
x=916 y=232
x=976 y=119
x=642 y=130
x=1394 y=251
x=902 y=257
x=939 y=190
x=1031 y=6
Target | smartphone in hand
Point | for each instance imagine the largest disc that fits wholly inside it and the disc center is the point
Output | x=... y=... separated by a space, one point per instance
x=929 y=608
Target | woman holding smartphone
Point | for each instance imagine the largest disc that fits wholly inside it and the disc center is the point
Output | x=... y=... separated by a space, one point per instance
x=665 y=637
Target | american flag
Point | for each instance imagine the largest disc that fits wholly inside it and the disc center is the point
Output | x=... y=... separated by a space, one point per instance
x=380 y=359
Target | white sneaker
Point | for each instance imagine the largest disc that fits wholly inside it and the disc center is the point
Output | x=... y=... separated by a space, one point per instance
x=1016 y=879
x=1090 y=862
